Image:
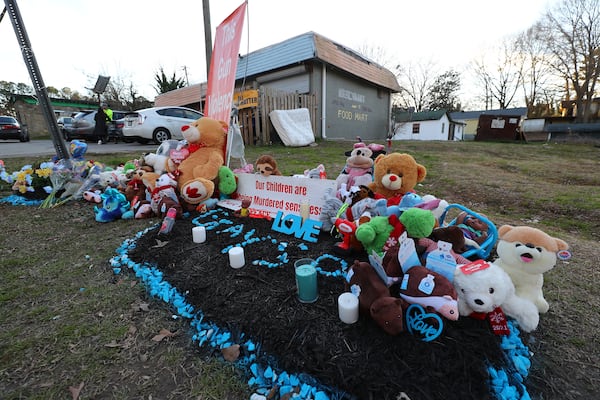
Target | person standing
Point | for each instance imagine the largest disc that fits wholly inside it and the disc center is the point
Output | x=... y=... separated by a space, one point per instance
x=101 y=128
x=108 y=112
x=110 y=128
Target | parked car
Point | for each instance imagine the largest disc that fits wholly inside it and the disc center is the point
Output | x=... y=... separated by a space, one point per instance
x=82 y=126
x=10 y=128
x=64 y=121
x=115 y=127
x=157 y=124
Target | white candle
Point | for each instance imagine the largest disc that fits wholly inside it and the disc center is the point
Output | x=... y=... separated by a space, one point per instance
x=348 y=308
x=236 y=257
x=199 y=234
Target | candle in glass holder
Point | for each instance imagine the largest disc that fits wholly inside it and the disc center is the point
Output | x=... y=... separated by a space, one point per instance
x=236 y=257
x=306 y=280
x=348 y=307
x=199 y=234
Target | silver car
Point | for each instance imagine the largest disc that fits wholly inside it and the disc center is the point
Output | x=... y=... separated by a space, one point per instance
x=157 y=124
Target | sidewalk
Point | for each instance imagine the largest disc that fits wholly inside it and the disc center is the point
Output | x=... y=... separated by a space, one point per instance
x=14 y=148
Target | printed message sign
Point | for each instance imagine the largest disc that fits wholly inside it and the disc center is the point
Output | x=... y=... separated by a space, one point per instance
x=246 y=99
x=271 y=194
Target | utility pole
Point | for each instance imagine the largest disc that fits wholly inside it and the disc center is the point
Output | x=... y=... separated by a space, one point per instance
x=207 y=34
x=187 y=81
x=36 y=78
x=207 y=40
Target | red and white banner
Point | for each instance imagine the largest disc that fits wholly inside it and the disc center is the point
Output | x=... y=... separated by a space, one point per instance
x=223 y=66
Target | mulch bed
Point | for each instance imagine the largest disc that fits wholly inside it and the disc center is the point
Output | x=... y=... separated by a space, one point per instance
x=258 y=301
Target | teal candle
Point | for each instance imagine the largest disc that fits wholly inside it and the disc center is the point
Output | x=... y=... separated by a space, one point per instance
x=306 y=280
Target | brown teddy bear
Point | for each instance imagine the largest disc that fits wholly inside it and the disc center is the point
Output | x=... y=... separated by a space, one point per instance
x=374 y=298
x=267 y=166
x=206 y=139
x=394 y=175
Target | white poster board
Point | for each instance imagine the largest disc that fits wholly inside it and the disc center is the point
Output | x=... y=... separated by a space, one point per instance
x=271 y=194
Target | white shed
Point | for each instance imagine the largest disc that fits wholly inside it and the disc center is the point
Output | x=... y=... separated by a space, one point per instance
x=426 y=125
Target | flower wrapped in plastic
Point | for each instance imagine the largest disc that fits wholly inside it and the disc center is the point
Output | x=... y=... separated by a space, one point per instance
x=61 y=173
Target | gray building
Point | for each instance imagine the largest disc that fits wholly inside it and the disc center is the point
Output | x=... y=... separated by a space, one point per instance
x=347 y=94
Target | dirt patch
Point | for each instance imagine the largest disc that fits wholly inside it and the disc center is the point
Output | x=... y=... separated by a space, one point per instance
x=259 y=302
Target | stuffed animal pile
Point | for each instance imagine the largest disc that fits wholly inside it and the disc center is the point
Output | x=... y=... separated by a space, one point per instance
x=183 y=175
x=414 y=257
x=378 y=213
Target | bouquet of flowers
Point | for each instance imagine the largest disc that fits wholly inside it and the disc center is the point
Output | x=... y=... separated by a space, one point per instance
x=61 y=173
x=29 y=181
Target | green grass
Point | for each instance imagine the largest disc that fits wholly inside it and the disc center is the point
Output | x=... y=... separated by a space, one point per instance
x=65 y=318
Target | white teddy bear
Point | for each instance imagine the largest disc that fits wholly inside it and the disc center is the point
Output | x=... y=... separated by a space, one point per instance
x=108 y=179
x=526 y=253
x=165 y=188
x=482 y=287
x=158 y=162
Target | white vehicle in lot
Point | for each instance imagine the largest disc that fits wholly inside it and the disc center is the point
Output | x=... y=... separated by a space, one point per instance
x=157 y=124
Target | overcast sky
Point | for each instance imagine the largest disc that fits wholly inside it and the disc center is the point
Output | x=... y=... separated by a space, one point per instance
x=74 y=41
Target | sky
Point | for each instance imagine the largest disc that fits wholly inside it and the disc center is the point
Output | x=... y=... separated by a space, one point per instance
x=75 y=41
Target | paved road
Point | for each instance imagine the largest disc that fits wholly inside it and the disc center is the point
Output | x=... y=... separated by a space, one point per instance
x=14 y=148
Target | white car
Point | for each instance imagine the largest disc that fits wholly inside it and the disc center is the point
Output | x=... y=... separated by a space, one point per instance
x=157 y=124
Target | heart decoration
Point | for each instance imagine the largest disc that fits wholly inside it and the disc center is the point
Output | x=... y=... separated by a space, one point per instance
x=427 y=326
x=177 y=156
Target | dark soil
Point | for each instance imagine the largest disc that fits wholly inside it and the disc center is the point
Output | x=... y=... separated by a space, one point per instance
x=358 y=361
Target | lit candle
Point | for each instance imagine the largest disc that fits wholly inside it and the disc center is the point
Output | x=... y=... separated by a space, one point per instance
x=306 y=280
x=236 y=257
x=199 y=234
x=348 y=307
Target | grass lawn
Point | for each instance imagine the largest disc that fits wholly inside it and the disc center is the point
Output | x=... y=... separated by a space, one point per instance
x=66 y=320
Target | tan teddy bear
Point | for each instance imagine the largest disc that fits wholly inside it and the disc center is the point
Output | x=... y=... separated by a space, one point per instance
x=394 y=175
x=206 y=138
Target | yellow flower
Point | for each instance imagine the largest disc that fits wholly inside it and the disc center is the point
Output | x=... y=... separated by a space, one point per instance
x=21 y=175
x=43 y=172
x=20 y=186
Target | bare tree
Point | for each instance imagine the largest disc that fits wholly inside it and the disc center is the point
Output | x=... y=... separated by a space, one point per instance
x=539 y=85
x=415 y=80
x=134 y=101
x=572 y=37
x=499 y=75
x=378 y=54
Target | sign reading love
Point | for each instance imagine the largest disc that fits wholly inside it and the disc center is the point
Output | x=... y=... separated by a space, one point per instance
x=427 y=326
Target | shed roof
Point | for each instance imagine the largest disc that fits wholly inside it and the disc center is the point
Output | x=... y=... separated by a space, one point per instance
x=181 y=97
x=406 y=116
x=55 y=102
x=290 y=52
x=312 y=46
x=516 y=112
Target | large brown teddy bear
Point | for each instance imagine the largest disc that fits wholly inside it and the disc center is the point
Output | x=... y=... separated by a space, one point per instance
x=206 y=139
x=394 y=175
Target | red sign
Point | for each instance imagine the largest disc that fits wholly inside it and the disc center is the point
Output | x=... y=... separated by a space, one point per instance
x=223 y=66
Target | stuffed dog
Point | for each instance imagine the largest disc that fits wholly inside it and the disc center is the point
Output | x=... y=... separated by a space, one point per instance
x=526 y=253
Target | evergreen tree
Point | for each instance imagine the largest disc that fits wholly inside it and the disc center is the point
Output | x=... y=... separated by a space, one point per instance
x=164 y=84
x=443 y=92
